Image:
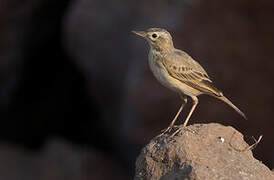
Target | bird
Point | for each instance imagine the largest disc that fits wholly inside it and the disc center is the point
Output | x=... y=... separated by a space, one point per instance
x=178 y=71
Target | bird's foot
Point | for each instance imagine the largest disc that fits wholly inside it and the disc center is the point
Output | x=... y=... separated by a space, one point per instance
x=167 y=130
x=185 y=128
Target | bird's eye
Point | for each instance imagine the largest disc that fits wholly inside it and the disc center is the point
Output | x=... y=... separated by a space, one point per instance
x=154 y=35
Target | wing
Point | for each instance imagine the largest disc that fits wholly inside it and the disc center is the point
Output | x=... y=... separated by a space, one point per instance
x=182 y=67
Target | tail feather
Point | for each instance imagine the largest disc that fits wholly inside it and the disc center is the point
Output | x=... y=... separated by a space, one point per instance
x=227 y=101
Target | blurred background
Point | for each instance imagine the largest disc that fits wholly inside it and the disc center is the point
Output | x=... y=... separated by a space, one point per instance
x=78 y=101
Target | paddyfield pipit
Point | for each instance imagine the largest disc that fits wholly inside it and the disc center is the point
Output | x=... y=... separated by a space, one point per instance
x=177 y=71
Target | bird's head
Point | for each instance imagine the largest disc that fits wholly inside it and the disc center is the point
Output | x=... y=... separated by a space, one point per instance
x=158 y=39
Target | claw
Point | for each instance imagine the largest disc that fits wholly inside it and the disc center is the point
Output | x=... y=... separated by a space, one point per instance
x=183 y=128
x=168 y=130
x=165 y=131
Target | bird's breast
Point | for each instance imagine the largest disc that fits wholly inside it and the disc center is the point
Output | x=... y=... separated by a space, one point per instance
x=159 y=71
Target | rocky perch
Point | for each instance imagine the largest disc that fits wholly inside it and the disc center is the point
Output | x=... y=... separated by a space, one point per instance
x=212 y=151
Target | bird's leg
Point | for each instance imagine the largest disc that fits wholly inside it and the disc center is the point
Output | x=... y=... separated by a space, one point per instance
x=195 y=103
x=176 y=116
x=184 y=98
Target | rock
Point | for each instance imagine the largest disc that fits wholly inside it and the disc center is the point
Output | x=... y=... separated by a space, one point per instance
x=211 y=151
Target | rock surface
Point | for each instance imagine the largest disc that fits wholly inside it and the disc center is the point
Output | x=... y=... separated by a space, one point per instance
x=212 y=151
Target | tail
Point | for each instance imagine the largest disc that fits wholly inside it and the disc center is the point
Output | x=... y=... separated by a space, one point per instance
x=223 y=98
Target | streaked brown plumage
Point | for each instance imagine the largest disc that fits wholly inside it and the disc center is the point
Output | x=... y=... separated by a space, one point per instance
x=177 y=71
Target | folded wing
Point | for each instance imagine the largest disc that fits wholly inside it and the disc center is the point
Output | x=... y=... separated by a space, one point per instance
x=182 y=67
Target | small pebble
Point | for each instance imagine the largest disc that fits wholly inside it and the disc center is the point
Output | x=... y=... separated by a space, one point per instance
x=221 y=139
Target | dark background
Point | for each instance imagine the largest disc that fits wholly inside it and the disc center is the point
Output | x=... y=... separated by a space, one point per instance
x=78 y=101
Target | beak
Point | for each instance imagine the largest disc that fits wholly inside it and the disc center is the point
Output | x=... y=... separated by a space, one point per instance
x=139 y=33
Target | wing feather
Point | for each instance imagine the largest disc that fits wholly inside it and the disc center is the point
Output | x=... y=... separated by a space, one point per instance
x=182 y=67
